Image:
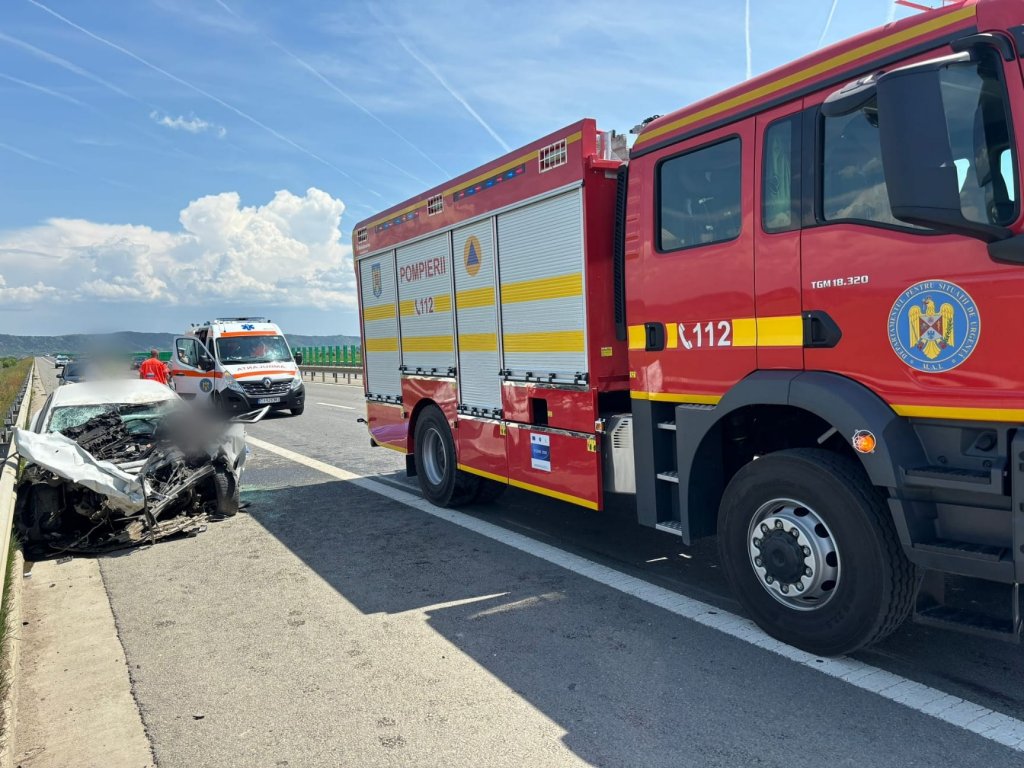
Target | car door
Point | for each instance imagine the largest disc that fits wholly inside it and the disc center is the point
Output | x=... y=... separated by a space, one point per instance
x=189 y=379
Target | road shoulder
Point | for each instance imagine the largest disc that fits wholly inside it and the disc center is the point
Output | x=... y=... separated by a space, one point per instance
x=75 y=704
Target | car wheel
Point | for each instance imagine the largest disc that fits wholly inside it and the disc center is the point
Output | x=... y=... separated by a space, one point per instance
x=226 y=486
x=811 y=551
x=441 y=481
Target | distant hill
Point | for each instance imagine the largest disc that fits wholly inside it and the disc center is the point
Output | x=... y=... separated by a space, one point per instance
x=127 y=341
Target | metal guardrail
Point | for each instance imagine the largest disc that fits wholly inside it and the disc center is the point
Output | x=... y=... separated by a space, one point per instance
x=9 y=476
x=348 y=371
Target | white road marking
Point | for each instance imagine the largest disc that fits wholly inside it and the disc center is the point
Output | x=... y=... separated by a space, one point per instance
x=987 y=723
x=332 y=405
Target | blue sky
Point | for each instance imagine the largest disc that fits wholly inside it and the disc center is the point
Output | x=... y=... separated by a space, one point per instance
x=163 y=161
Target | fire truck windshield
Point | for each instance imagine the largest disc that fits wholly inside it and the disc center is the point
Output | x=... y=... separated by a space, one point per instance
x=252 y=349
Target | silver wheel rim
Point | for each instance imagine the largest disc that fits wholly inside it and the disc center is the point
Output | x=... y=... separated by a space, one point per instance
x=435 y=456
x=794 y=554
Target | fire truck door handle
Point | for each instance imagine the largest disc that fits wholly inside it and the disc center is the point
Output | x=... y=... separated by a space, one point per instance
x=820 y=330
x=654 y=334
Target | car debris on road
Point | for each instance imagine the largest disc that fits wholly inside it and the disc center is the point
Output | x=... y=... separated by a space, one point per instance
x=133 y=473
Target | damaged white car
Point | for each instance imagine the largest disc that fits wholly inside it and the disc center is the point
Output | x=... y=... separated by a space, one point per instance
x=115 y=463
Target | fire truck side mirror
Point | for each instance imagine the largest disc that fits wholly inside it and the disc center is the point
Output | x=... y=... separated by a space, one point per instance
x=917 y=156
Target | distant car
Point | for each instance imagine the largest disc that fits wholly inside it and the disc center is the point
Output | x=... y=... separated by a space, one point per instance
x=138 y=361
x=75 y=373
x=60 y=361
x=134 y=399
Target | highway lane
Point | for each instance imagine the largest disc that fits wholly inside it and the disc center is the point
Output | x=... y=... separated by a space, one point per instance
x=986 y=671
x=335 y=626
x=337 y=623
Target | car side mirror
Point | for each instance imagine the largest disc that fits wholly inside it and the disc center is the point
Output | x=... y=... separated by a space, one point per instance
x=298 y=358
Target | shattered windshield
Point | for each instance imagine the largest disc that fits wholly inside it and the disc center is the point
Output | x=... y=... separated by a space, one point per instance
x=138 y=418
x=239 y=350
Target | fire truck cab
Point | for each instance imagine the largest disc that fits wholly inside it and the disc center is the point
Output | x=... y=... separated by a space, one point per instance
x=237 y=364
x=787 y=321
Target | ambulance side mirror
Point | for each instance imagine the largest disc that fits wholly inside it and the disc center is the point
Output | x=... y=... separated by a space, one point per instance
x=205 y=362
x=298 y=358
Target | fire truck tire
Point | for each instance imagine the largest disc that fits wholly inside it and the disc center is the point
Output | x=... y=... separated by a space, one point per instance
x=441 y=481
x=810 y=549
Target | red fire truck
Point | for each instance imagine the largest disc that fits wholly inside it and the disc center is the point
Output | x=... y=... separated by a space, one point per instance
x=787 y=320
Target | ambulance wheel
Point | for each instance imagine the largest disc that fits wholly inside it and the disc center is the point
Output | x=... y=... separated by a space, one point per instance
x=441 y=481
x=809 y=547
x=298 y=411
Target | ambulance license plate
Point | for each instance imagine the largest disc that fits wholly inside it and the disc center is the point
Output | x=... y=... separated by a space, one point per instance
x=268 y=400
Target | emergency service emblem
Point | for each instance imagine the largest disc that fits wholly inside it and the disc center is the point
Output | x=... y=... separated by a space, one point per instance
x=934 y=326
x=205 y=385
x=472 y=255
x=378 y=281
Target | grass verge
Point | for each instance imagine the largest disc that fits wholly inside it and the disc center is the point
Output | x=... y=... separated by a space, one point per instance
x=11 y=379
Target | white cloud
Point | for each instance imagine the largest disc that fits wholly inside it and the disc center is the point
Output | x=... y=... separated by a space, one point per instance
x=191 y=124
x=287 y=253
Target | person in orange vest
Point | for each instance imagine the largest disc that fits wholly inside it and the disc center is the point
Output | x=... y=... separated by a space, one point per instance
x=153 y=368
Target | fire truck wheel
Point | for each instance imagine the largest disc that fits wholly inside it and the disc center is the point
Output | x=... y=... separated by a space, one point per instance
x=440 y=479
x=810 y=549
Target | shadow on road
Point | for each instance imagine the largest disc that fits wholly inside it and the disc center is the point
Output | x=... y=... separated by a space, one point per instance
x=628 y=683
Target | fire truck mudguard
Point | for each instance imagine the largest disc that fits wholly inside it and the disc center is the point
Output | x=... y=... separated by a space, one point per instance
x=833 y=402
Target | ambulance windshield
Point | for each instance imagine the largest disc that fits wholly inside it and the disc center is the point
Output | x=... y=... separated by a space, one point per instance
x=240 y=350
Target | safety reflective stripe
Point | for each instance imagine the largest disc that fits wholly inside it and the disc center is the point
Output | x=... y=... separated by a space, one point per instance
x=387 y=344
x=778 y=331
x=475 y=297
x=380 y=312
x=542 y=288
x=675 y=397
x=427 y=344
x=478 y=342
x=960 y=414
x=550 y=341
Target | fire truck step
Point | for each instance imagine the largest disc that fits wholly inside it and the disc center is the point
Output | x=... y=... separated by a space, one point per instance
x=671 y=477
x=964 y=549
x=671 y=425
x=670 y=526
x=942 y=616
x=955 y=479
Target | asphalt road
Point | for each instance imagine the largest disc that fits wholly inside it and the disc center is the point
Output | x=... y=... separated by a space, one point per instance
x=330 y=625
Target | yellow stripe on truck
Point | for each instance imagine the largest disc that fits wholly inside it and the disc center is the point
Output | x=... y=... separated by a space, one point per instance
x=550 y=341
x=784 y=331
x=389 y=344
x=560 y=287
x=380 y=312
x=475 y=297
x=427 y=344
x=637 y=337
x=478 y=342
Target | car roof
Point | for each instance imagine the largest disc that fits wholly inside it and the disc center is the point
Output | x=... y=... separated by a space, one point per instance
x=133 y=391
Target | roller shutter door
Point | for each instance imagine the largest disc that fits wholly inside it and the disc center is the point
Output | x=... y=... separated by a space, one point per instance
x=425 y=307
x=380 y=325
x=477 y=317
x=540 y=259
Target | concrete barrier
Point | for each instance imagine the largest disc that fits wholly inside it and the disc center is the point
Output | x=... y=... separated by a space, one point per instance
x=348 y=372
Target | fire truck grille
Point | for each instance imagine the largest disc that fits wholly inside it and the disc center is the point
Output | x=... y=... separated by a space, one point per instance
x=257 y=388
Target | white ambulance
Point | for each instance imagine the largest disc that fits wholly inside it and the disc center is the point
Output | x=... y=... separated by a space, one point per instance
x=237 y=364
